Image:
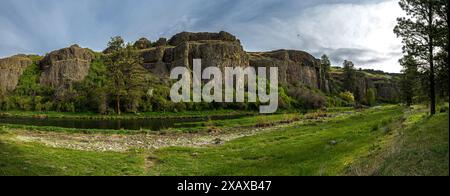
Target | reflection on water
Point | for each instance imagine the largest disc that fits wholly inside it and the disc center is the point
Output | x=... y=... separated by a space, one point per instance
x=128 y=124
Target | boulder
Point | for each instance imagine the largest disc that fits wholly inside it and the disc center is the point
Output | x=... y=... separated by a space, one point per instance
x=65 y=66
x=11 y=69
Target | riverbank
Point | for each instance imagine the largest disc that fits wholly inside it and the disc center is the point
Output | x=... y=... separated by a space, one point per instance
x=147 y=115
x=212 y=132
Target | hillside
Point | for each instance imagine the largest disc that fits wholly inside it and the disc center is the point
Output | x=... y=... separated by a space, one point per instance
x=305 y=82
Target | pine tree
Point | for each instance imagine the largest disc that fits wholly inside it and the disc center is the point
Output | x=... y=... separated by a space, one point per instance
x=325 y=72
x=409 y=79
x=325 y=62
x=421 y=33
x=126 y=75
x=349 y=76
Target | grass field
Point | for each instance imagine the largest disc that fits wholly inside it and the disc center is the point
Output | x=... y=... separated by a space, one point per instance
x=393 y=140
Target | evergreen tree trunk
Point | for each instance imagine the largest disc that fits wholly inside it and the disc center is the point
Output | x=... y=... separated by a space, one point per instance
x=432 y=74
x=118 y=104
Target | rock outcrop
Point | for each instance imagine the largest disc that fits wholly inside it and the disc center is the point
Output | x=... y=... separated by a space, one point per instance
x=388 y=90
x=295 y=67
x=215 y=49
x=190 y=37
x=225 y=50
x=387 y=87
x=65 y=66
x=11 y=69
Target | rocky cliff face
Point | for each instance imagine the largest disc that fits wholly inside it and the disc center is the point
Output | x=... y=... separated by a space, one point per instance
x=295 y=67
x=388 y=90
x=64 y=66
x=11 y=69
x=387 y=86
x=224 y=50
x=215 y=49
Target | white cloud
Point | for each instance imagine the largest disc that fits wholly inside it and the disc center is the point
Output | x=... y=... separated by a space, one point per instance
x=344 y=29
x=359 y=32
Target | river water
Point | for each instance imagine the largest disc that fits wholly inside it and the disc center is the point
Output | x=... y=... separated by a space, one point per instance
x=116 y=124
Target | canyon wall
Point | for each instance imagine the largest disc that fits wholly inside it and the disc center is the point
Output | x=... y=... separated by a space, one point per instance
x=62 y=67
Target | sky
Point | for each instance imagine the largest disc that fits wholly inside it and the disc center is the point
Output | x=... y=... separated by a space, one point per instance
x=356 y=30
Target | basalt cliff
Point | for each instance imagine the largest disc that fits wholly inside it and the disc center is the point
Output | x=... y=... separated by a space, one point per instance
x=62 y=67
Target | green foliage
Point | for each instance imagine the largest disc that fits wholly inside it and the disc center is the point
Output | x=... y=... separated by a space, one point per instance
x=409 y=80
x=126 y=77
x=349 y=76
x=348 y=97
x=335 y=101
x=92 y=92
x=371 y=97
x=38 y=103
x=326 y=65
x=114 y=45
x=142 y=43
x=307 y=99
x=29 y=82
x=285 y=101
x=29 y=94
x=424 y=32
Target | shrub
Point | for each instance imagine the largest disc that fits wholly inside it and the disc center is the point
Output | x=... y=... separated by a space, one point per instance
x=24 y=103
x=142 y=43
x=47 y=106
x=285 y=101
x=29 y=81
x=348 y=97
x=336 y=102
x=307 y=99
x=37 y=103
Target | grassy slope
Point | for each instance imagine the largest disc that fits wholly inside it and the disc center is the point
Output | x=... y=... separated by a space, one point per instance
x=301 y=150
x=422 y=150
